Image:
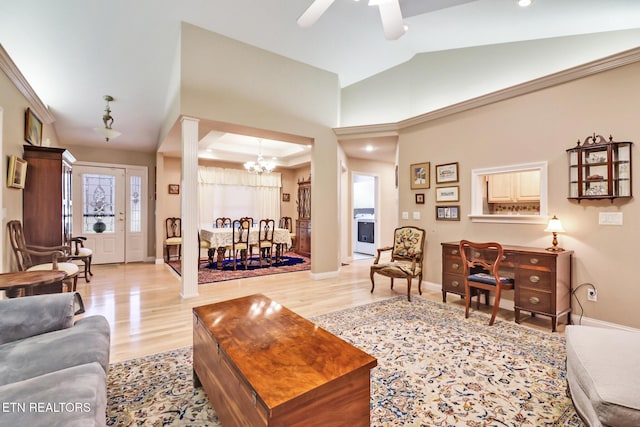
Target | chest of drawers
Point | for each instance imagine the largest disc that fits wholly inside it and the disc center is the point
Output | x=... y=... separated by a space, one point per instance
x=542 y=279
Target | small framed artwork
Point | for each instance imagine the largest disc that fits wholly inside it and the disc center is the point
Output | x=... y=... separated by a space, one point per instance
x=420 y=198
x=420 y=175
x=286 y=197
x=174 y=188
x=447 y=173
x=448 y=213
x=32 y=128
x=448 y=194
x=16 y=172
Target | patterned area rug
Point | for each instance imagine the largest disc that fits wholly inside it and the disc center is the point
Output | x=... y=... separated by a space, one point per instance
x=434 y=369
x=210 y=273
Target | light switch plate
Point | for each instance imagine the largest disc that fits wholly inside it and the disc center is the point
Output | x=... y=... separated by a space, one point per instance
x=416 y=215
x=610 y=218
x=405 y=215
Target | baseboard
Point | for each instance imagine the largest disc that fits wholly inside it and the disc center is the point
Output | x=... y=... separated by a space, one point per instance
x=325 y=275
x=575 y=318
x=159 y=260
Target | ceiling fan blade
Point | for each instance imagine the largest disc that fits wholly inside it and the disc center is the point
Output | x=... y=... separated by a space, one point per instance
x=314 y=12
x=391 y=19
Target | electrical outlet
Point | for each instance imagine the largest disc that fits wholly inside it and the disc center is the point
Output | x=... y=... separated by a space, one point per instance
x=592 y=295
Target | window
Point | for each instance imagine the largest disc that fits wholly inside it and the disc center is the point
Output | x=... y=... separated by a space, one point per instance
x=513 y=199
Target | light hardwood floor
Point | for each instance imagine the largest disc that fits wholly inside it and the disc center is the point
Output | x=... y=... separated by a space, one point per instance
x=147 y=315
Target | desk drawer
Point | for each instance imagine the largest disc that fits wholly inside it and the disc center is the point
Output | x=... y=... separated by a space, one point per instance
x=534 y=279
x=537 y=261
x=453 y=283
x=533 y=300
x=450 y=250
x=452 y=264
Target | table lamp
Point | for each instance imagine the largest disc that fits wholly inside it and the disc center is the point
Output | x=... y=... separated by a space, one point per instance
x=555 y=227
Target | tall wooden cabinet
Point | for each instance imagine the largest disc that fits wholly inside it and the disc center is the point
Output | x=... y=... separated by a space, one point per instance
x=303 y=223
x=46 y=202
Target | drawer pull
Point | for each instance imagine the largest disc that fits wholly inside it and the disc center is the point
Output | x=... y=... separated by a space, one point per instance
x=534 y=260
x=454 y=252
x=455 y=266
x=534 y=300
x=254 y=398
x=476 y=254
x=534 y=279
x=455 y=283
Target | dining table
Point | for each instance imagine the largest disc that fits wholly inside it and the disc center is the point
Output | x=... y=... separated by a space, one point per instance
x=221 y=239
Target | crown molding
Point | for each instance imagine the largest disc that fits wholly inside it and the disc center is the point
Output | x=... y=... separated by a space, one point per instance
x=20 y=82
x=595 y=67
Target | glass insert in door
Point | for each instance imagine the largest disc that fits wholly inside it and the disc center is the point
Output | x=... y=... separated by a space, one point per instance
x=99 y=201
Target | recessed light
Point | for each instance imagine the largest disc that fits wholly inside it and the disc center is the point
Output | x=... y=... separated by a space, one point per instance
x=524 y=3
x=369 y=148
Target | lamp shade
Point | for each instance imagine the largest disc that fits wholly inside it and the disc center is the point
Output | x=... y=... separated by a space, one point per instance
x=107 y=133
x=554 y=226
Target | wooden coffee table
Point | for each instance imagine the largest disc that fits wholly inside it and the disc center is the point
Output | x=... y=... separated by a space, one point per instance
x=28 y=279
x=263 y=365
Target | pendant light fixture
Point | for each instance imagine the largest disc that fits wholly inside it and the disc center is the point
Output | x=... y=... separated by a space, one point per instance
x=260 y=166
x=107 y=119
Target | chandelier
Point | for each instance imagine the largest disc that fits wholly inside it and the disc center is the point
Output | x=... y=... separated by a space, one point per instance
x=261 y=165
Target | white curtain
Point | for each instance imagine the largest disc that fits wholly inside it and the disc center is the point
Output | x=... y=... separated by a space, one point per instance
x=236 y=193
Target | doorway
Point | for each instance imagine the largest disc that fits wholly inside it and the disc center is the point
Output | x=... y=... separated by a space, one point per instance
x=365 y=200
x=109 y=209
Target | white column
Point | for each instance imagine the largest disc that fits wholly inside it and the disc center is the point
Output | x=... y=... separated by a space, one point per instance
x=189 y=215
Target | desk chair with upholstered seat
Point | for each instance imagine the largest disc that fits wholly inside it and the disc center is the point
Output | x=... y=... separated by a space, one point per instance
x=265 y=241
x=481 y=263
x=407 y=255
x=173 y=226
x=26 y=256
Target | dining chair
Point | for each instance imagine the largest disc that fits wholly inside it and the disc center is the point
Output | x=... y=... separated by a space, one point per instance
x=287 y=223
x=223 y=222
x=173 y=227
x=27 y=256
x=481 y=263
x=248 y=218
x=265 y=241
x=407 y=256
x=204 y=244
x=240 y=241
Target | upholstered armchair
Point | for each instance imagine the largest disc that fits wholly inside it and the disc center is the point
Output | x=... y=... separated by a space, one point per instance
x=407 y=256
x=27 y=256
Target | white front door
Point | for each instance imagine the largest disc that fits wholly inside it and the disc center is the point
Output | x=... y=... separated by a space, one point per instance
x=99 y=211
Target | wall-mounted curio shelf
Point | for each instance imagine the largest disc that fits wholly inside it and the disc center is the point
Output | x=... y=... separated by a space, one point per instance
x=600 y=169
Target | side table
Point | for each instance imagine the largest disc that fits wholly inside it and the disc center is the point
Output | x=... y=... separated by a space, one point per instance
x=27 y=280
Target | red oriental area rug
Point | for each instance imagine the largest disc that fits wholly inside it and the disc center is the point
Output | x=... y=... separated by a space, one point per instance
x=210 y=273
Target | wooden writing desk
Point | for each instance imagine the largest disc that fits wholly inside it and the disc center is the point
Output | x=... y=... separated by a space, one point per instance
x=542 y=279
x=263 y=365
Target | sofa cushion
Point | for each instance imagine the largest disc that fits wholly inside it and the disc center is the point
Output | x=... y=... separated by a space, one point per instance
x=87 y=341
x=72 y=397
x=26 y=317
x=602 y=370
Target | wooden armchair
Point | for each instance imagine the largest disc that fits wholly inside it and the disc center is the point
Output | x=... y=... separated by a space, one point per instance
x=80 y=253
x=27 y=256
x=407 y=256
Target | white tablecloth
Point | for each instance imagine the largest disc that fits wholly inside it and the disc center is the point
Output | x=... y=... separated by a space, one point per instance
x=221 y=237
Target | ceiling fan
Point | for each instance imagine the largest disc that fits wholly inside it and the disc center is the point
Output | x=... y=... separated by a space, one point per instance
x=390 y=14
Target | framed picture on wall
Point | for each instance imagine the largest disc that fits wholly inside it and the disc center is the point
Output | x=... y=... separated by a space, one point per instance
x=447 y=173
x=286 y=197
x=32 y=128
x=420 y=198
x=448 y=213
x=420 y=175
x=448 y=194
x=174 y=188
x=17 y=172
